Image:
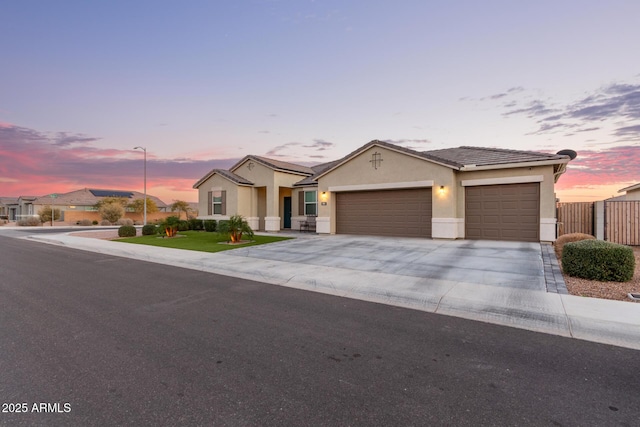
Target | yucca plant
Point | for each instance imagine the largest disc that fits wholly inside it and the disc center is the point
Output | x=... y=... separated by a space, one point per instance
x=235 y=227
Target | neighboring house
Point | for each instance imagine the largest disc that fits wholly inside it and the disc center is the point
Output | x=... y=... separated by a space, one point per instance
x=9 y=208
x=631 y=193
x=387 y=190
x=81 y=204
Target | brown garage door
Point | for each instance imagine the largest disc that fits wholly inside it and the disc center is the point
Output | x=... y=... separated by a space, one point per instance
x=503 y=212
x=400 y=213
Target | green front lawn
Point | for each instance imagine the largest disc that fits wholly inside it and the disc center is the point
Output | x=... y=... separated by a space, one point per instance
x=199 y=241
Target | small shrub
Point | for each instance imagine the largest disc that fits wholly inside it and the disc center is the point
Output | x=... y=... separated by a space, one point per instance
x=105 y=222
x=598 y=260
x=568 y=238
x=195 y=224
x=85 y=222
x=94 y=222
x=149 y=230
x=31 y=221
x=210 y=225
x=183 y=225
x=124 y=221
x=127 y=231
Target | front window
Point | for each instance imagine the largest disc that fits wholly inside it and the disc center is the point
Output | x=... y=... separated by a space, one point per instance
x=310 y=203
x=217 y=202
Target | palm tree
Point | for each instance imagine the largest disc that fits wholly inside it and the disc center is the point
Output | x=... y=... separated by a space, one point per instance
x=236 y=226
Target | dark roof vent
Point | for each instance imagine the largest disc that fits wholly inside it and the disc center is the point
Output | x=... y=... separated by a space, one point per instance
x=572 y=154
x=111 y=193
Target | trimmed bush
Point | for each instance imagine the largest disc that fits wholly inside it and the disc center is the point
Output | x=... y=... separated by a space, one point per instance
x=183 y=225
x=124 y=221
x=196 y=224
x=85 y=222
x=105 y=222
x=127 y=231
x=94 y=222
x=568 y=238
x=149 y=230
x=210 y=225
x=31 y=221
x=598 y=260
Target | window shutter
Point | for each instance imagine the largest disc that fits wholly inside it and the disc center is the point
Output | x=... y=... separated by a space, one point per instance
x=301 y=203
x=224 y=202
x=210 y=203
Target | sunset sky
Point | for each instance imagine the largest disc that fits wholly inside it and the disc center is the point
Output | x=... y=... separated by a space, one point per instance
x=201 y=84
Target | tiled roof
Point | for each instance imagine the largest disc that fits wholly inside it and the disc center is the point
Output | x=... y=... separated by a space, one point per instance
x=225 y=173
x=480 y=156
x=8 y=200
x=277 y=165
x=85 y=197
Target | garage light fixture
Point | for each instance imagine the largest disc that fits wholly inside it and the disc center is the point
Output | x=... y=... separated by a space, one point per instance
x=441 y=190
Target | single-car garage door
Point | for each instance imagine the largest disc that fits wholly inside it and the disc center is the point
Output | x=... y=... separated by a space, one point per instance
x=400 y=213
x=503 y=212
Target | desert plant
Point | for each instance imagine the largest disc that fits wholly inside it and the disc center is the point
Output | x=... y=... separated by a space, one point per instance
x=30 y=221
x=111 y=212
x=235 y=227
x=170 y=225
x=210 y=225
x=85 y=222
x=45 y=214
x=138 y=205
x=94 y=222
x=124 y=221
x=149 y=230
x=598 y=260
x=181 y=206
x=568 y=238
x=105 y=222
x=127 y=231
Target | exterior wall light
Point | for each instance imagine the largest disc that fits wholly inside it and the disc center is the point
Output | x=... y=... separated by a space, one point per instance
x=442 y=190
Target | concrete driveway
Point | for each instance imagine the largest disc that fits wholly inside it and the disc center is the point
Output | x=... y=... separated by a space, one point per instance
x=510 y=264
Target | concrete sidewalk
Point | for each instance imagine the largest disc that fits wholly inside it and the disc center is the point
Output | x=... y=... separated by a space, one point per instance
x=507 y=292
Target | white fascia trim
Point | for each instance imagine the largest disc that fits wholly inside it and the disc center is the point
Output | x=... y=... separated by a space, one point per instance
x=384 y=186
x=467 y=168
x=507 y=180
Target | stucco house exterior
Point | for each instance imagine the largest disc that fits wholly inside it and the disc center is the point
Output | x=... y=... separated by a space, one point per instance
x=387 y=190
x=631 y=193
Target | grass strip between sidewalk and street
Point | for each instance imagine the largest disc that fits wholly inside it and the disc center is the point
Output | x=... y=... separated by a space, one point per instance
x=200 y=241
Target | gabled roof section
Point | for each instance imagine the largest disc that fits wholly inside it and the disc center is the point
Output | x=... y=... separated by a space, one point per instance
x=87 y=197
x=630 y=188
x=460 y=157
x=8 y=200
x=236 y=179
x=318 y=169
x=276 y=165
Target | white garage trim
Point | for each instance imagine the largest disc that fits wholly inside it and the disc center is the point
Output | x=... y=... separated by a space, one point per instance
x=548 y=229
x=507 y=180
x=447 y=228
x=384 y=186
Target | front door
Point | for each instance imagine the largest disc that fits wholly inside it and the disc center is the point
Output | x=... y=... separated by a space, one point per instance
x=287 y=212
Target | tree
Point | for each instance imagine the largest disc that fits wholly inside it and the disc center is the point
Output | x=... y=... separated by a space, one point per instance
x=111 y=212
x=236 y=226
x=45 y=214
x=138 y=205
x=181 y=206
x=170 y=225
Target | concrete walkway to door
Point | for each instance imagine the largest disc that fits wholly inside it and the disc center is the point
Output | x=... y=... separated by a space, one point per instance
x=496 y=282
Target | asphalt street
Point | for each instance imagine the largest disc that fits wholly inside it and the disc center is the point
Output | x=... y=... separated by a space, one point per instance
x=103 y=340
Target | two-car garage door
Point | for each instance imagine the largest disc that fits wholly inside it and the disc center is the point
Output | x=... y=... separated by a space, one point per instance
x=503 y=212
x=398 y=213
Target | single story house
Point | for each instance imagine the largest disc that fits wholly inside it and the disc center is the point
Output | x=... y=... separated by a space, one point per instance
x=631 y=193
x=387 y=190
x=9 y=208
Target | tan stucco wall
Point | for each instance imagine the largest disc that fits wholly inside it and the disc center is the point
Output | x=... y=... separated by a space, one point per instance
x=632 y=195
x=218 y=182
x=394 y=168
x=547 y=194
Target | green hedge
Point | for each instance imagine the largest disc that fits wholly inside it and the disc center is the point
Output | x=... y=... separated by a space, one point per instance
x=149 y=230
x=196 y=224
x=210 y=225
x=598 y=260
x=127 y=231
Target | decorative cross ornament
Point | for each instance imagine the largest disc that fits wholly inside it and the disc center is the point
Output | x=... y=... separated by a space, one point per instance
x=250 y=165
x=376 y=159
